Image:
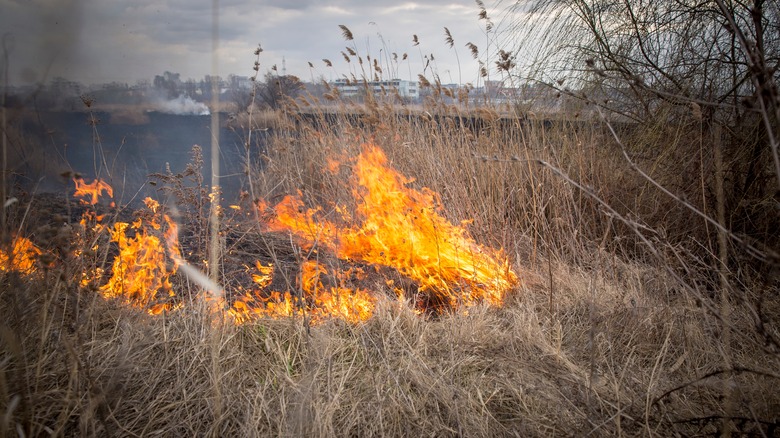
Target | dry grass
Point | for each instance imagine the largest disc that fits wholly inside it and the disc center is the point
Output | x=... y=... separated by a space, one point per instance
x=74 y=364
x=611 y=333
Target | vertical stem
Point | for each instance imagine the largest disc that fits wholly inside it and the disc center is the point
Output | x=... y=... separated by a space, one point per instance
x=4 y=180
x=552 y=284
x=725 y=309
x=214 y=216
x=248 y=145
x=214 y=245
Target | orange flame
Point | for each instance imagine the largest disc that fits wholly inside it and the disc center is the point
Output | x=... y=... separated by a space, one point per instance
x=345 y=303
x=390 y=225
x=92 y=191
x=402 y=228
x=318 y=301
x=266 y=275
x=277 y=305
x=22 y=257
x=140 y=272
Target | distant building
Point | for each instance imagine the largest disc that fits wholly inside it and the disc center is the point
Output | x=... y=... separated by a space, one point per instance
x=405 y=89
x=236 y=82
x=346 y=88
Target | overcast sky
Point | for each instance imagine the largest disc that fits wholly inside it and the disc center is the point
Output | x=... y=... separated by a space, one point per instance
x=98 y=41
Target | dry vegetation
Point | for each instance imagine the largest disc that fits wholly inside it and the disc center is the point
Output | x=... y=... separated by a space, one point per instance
x=608 y=334
x=628 y=319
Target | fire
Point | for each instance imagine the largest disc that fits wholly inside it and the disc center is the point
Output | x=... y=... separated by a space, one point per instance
x=92 y=190
x=140 y=272
x=22 y=257
x=323 y=296
x=335 y=300
x=391 y=240
x=402 y=228
x=140 y=275
x=251 y=306
x=265 y=277
x=393 y=226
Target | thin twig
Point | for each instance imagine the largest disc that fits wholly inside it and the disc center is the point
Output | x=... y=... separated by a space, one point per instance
x=764 y=254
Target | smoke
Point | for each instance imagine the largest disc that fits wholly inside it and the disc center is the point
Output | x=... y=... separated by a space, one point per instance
x=183 y=106
x=44 y=39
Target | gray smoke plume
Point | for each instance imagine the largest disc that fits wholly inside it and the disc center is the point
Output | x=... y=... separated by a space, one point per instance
x=183 y=106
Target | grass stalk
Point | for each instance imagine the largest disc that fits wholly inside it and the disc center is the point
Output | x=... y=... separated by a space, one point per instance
x=214 y=238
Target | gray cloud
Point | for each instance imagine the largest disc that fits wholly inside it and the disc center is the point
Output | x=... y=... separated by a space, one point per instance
x=95 y=41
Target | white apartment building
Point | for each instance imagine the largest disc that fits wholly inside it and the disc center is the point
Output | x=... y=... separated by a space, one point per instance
x=406 y=89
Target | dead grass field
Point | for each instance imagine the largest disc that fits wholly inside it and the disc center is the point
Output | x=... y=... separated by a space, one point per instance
x=616 y=327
